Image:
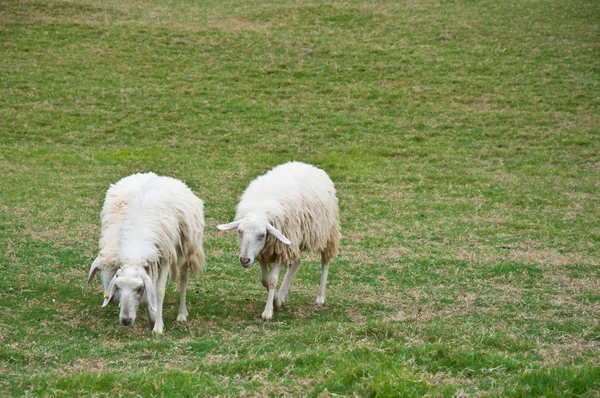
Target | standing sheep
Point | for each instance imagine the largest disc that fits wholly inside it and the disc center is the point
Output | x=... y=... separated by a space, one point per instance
x=296 y=204
x=116 y=202
x=161 y=233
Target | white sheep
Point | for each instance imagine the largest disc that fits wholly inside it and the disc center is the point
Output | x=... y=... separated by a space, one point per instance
x=161 y=233
x=116 y=202
x=296 y=204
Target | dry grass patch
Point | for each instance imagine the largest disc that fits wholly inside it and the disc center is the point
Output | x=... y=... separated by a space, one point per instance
x=239 y=24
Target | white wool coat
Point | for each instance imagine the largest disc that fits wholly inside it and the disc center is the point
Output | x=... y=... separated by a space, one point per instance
x=112 y=215
x=163 y=227
x=300 y=201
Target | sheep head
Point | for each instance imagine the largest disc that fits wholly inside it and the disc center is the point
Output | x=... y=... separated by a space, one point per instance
x=252 y=233
x=133 y=286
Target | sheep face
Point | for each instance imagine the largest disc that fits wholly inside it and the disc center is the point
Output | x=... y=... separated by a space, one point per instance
x=133 y=287
x=252 y=233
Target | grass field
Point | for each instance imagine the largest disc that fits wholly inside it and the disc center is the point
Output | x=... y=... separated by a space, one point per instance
x=464 y=140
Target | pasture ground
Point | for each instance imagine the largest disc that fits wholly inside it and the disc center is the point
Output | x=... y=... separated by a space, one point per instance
x=463 y=138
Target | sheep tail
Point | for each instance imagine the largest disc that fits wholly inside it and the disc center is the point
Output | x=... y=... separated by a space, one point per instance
x=333 y=242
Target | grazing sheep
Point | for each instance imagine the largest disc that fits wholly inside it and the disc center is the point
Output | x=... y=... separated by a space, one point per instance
x=296 y=204
x=161 y=233
x=116 y=202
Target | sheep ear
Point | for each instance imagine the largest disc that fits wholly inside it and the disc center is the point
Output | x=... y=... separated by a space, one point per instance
x=150 y=292
x=112 y=289
x=273 y=231
x=231 y=225
x=93 y=269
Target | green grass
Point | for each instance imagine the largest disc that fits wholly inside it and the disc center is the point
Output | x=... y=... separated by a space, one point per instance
x=463 y=138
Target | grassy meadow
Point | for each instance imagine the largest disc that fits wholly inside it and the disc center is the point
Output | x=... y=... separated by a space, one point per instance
x=463 y=137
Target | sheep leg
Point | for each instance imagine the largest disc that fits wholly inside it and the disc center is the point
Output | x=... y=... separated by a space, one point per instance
x=264 y=270
x=183 y=280
x=285 y=286
x=273 y=277
x=151 y=317
x=161 y=285
x=324 y=271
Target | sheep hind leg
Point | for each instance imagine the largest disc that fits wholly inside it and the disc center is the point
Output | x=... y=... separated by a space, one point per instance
x=273 y=277
x=324 y=271
x=183 y=280
x=285 y=286
x=160 y=287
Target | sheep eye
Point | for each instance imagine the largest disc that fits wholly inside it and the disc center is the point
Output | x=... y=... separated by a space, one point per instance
x=261 y=236
x=140 y=290
x=240 y=233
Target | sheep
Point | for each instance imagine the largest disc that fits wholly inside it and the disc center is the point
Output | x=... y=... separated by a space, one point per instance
x=112 y=215
x=161 y=234
x=291 y=209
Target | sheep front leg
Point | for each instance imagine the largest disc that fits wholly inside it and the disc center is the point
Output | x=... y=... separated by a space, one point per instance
x=324 y=271
x=183 y=280
x=161 y=285
x=151 y=317
x=264 y=274
x=285 y=286
x=273 y=277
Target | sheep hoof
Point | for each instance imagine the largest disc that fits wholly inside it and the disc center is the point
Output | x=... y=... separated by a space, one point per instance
x=277 y=304
x=320 y=300
x=181 y=318
x=158 y=328
x=267 y=315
